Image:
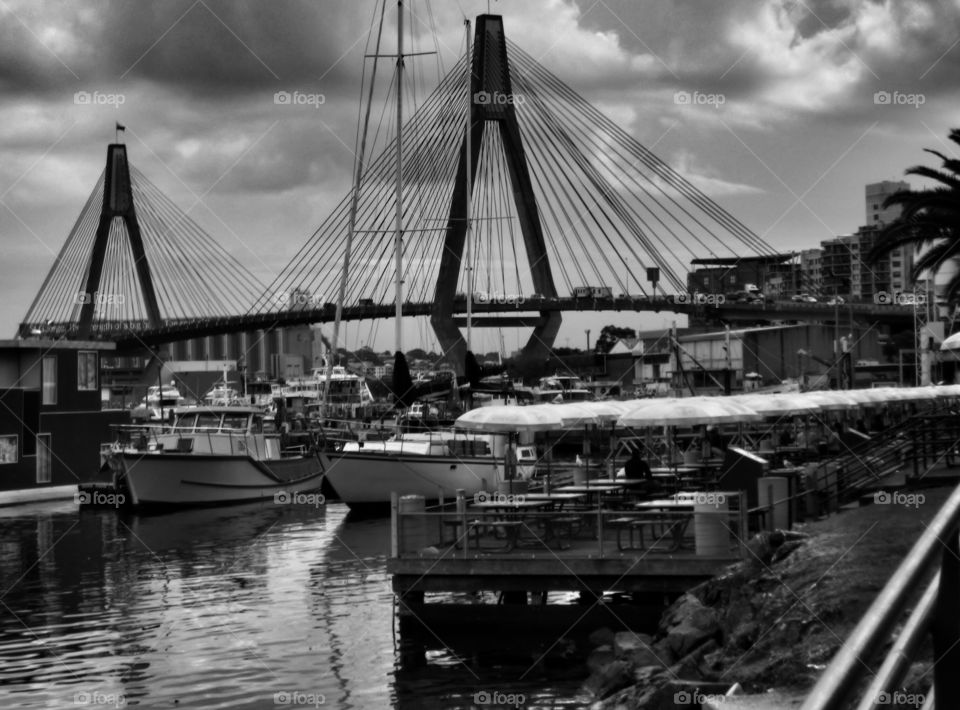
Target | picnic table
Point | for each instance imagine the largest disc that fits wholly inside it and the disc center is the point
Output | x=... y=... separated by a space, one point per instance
x=669 y=520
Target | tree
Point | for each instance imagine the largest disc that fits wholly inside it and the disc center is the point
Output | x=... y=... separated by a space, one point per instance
x=929 y=218
x=609 y=336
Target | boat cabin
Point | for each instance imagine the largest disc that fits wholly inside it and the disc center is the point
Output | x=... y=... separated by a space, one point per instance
x=219 y=419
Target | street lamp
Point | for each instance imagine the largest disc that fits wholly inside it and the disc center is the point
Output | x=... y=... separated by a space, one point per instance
x=588 y=340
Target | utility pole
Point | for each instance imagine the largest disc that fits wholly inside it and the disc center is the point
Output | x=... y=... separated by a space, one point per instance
x=588 y=339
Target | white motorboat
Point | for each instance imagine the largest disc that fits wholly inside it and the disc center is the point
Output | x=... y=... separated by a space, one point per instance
x=430 y=464
x=212 y=455
x=158 y=403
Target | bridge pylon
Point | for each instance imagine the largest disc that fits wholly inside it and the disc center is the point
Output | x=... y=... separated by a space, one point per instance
x=490 y=93
x=117 y=203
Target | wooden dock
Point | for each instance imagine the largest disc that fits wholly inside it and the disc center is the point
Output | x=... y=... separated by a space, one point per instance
x=525 y=555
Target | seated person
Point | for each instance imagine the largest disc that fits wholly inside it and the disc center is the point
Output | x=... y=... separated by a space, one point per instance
x=636 y=467
x=717 y=444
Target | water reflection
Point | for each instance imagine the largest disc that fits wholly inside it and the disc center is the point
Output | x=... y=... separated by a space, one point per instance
x=235 y=607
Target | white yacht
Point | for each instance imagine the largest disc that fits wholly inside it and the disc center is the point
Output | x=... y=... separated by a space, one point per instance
x=431 y=464
x=561 y=388
x=158 y=403
x=211 y=455
x=348 y=396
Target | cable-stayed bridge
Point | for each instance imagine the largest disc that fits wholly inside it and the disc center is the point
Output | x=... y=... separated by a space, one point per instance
x=561 y=200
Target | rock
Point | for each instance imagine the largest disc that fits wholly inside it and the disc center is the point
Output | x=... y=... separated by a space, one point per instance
x=601 y=636
x=691 y=625
x=609 y=679
x=600 y=657
x=745 y=634
x=662 y=649
x=648 y=657
x=644 y=675
x=626 y=642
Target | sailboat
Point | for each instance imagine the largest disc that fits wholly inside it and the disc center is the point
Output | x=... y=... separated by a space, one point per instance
x=434 y=464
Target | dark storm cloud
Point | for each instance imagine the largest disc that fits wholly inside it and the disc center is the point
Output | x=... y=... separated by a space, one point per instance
x=209 y=46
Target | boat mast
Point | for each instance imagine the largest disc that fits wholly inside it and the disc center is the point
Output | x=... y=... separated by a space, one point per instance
x=469 y=187
x=352 y=225
x=398 y=236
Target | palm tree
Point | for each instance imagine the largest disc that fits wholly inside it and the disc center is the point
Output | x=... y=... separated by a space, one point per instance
x=929 y=218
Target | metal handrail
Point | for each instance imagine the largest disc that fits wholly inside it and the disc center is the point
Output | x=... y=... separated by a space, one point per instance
x=840 y=678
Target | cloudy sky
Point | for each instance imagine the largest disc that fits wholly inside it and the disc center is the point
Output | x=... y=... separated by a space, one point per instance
x=804 y=102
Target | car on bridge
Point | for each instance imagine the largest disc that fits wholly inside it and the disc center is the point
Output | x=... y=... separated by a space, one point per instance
x=803 y=298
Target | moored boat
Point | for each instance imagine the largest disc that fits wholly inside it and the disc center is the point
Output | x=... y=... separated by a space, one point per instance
x=212 y=455
x=434 y=465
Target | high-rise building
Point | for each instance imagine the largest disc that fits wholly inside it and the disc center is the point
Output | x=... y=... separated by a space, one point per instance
x=876 y=193
x=811 y=271
x=898 y=263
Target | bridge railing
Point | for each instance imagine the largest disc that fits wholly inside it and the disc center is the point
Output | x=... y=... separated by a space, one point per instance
x=938 y=612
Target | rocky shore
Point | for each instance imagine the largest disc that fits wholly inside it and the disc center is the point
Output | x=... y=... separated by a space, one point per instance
x=769 y=624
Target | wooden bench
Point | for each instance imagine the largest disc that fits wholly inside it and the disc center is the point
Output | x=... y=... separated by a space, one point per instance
x=561 y=528
x=669 y=529
x=507 y=530
x=455 y=524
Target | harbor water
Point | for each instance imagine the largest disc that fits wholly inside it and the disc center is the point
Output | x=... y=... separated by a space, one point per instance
x=252 y=606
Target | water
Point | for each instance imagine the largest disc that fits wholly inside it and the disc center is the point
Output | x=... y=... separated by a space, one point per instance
x=254 y=606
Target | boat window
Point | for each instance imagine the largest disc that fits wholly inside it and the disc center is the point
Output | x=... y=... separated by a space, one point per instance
x=187 y=421
x=235 y=421
x=208 y=421
x=468 y=447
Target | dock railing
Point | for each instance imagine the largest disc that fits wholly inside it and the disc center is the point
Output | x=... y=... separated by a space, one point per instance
x=710 y=527
x=938 y=611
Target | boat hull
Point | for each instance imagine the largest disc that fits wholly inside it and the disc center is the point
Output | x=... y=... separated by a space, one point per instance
x=167 y=479
x=366 y=480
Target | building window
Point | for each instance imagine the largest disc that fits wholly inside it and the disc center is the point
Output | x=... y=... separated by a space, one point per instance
x=733 y=278
x=43 y=458
x=706 y=280
x=86 y=371
x=49 y=380
x=9 y=448
x=896 y=274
